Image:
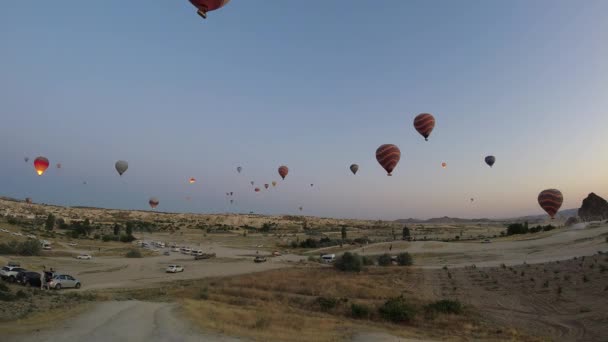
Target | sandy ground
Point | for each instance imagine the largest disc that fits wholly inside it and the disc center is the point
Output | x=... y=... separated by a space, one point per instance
x=561 y=244
x=123 y=321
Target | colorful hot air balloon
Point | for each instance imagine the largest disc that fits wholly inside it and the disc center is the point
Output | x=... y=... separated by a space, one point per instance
x=28 y=200
x=257 y=189
x=354 y=168
x=205 y=6
x=239 y=169
x=192 y=180
x=490 y=160
x=424 y=124
x=551 y=200
x=274 y=183
x=41 y=164
x=444 y=165
x=283 y=171
x=153 y=202
x=266 y=186
x=388 y=156
x=121 y=166
x=59 y=165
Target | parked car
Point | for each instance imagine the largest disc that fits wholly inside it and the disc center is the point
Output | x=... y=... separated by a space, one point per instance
x=186 y=251
x=259 y=259
x=486 y=241
x=276 y=253
x=10 y=273
x=61 y=281
x=175 y=269
x=328 y=258
x=28 y=278
x=175 y=249
x=84 y=257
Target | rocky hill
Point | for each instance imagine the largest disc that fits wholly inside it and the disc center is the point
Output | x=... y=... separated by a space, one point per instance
x=594 y=208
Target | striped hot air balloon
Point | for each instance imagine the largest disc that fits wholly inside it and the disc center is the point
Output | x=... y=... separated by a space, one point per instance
x=424 y=124
x=283 y=171
x=388 y=156
x=153 y=202
x=551 y=200
x=41 y=164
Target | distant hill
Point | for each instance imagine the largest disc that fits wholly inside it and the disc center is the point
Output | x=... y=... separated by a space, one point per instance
x=563 y=214
x=445 y=220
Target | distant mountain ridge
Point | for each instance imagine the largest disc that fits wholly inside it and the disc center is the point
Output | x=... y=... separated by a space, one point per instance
x=565 y=214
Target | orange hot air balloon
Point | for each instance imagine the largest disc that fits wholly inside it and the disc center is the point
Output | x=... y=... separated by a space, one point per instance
x=266 y=186
x=551 y=200
x=274 y=183
x=41 y=164
x=205 y=6
x=424 y=124
x=257 y=189
x=192 y=180
x=283 y=171
x=388 y=156
x=153 y=202
x=444 y=165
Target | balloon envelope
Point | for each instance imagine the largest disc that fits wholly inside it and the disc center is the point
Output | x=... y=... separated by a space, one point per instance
x=283 y=171
x=550 y=200
x=274 y=183
x=41 y=164
x=424 y=124
x=239 y=169
x=388 y=155
x=444 y=165
x=490 y=160
x=257 y=189
x=354 y=168
x=192 y=180
x=26 y=159
x=153 y=202
x=59 y=165
x=266 y=186
x=121 y=166
x=205 y=6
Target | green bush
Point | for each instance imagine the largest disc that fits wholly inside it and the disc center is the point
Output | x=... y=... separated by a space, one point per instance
x=367 y=261
x=349 y=262
x=360 y=311
x=25 y=248
x=134 y=253
x=445 y=306
x=204 y=294
x=385 y=260
x=327 y=303
x=405 y=259
x=127 y=238
x=397 y=310
x=107 y=238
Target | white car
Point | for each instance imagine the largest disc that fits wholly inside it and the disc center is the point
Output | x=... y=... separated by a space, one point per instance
x=175 y=249
x=175 y=269
x=72 y=244
x=186 y=251
x=84 y=257
x=3 y=230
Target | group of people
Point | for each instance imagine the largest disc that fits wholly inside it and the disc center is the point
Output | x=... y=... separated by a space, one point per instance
x=46 y=278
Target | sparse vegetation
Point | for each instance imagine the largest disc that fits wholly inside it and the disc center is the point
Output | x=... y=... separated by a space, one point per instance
x=405 y=259
x=360 y=311
x=397 y=310
x=349 y=262
x=133 y=253
x=445 y=306
x=26 y=248
x=385 y=260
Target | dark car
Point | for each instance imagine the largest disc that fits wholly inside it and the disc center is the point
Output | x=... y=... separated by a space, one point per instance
x=28 y=278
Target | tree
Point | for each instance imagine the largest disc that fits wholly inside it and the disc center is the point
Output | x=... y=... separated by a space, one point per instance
x=50 y=222
x=86 y=227
x=404 y=259
x=406 y=233
x=116 y=229
x=385 y=260
x=349 y=262
x=343 y=232
x=129 y=229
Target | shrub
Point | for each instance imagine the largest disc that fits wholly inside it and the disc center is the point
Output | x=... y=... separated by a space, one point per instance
x=405 y=259
x=25 y=248
x=327 y=303
x=134 y=253
x=107 y=238
x=360 y=311
x=367 y=261
x=127 y=238
x=349 y=262
x=397 y=310
x=445 y=306
x=385 y=260
x=204 y=294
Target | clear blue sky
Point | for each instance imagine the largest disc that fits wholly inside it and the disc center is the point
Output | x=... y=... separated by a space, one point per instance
x=315 y=85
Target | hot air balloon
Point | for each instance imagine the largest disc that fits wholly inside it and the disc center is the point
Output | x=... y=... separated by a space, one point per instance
x=444 y=165
x=231 y=201
x=205 y=6
x=490 y=160
x=252 y=182
x=472 y=200
x=424 y=124
x=551 y=200
x=266 y=186
x=231 y=193
x=153 y=202
x=239 y=169
x=257 y=189
x=59 y=165
x=84 y=182
x=311 y=185
x=388 y=156
x=28 y=200
x=274 y=183
x=354 y=168
x=41 y=164
x=121 y=166
x=301 y=208
x=192 y=180
x=26 y=159
x=283 y=171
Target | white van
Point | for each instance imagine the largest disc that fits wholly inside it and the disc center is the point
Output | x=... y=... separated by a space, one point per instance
x=328 y=258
